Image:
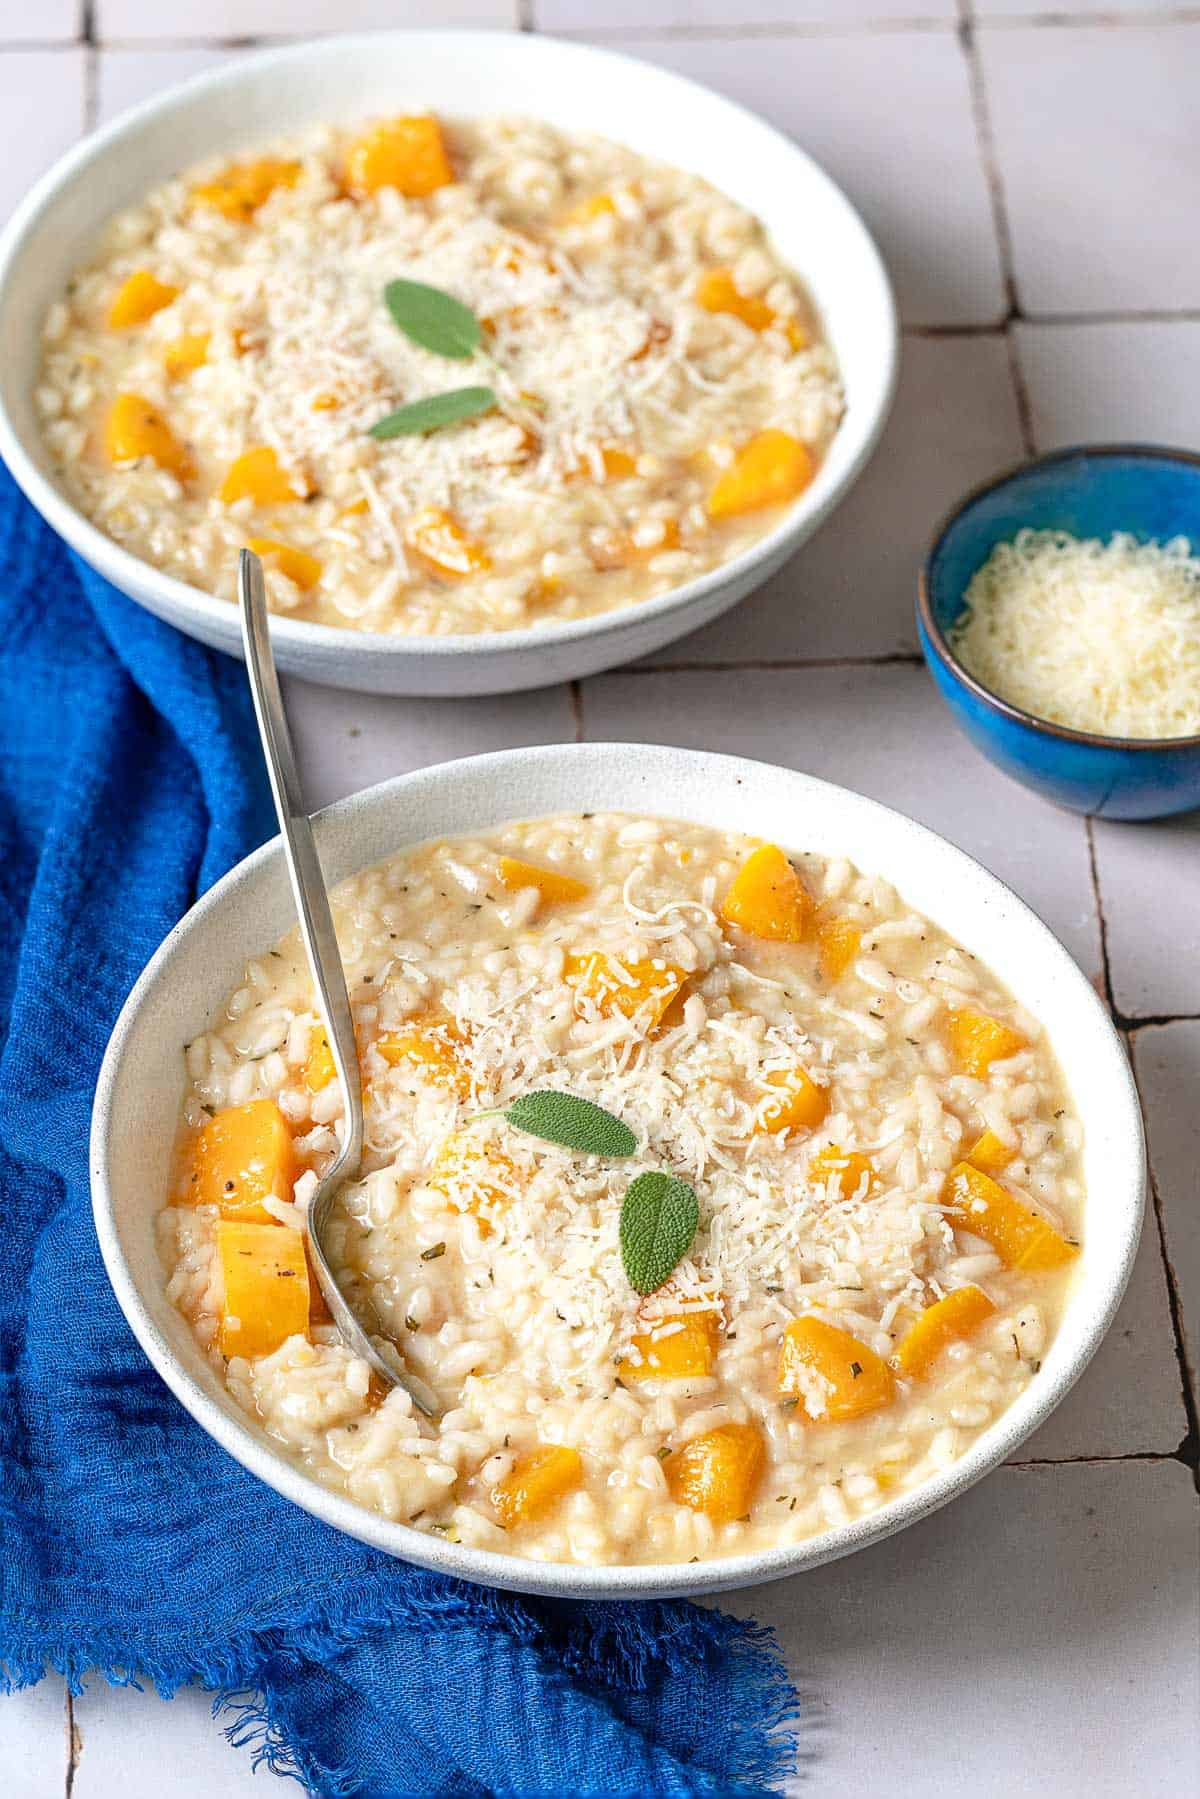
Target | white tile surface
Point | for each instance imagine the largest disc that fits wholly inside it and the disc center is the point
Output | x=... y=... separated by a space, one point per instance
x=1168 y=1065
x=33 y=1740
x=731 y=15
x=1098 y=138
x=48 y=21
x=133 y=1745
x=214 y=19
x=1149 y=882
x=884 y=732
x=890 y=118
x=345 y=741
x=1125 y=383
x=127 y=77
x=852 y=589
x=1036 y=1637
x=41 y=98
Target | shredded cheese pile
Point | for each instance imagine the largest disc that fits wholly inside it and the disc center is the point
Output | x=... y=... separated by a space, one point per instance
x=1101 y=637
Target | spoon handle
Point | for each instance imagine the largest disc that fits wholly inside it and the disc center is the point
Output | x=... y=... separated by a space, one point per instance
x=325 y=960
x=300 y=850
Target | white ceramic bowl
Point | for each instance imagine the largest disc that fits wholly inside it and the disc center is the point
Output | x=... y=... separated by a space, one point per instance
x=468 y=74
x=142 y=1080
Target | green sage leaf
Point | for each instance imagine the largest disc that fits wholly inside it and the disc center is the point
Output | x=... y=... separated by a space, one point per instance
x=575 y=1123
x=658 y=1221
x=436 y=410
x=433 y=319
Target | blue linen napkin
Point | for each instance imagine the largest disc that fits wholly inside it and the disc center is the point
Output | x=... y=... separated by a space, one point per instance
x=129 y=1543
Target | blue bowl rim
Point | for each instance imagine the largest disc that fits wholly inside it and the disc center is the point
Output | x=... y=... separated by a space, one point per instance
x=935 y=637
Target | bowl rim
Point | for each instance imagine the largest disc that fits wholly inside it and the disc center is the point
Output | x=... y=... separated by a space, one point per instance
x=613 y=1580
x=936 y=636
x=127 y=571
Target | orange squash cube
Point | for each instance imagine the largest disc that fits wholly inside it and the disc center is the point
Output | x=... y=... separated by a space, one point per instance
x=717 y=291
x=258 y=475
x=430 y=1050
x=320 y=1067
x=957 y=1315
x=974 y=1202
x=241 y=189
x=976 y=1041
x=299 y=567
x=848 y=1167
x=243 y=1154
x=640 y=990
x=535 y=1483
x=834 y=1376
x=596 y=206
x=138 y=298
x=837 y=946
x=443 y=546
x=618 y=463
x=135 y=428
x=474 y=1175
x=801 y=1105
x=407 y=153
x=718 y=1472
x=772 y=468
x=185 y=354
x=266 y=1295
x=555 y=888
x=990 y=1155
x=686 y=1353
x=768 y=899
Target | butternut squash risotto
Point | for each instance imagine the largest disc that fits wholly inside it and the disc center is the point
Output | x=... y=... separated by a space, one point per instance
x=821 y=1230
x=442 y=377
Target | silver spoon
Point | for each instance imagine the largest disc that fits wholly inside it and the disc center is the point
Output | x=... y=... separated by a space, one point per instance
x=329 y=977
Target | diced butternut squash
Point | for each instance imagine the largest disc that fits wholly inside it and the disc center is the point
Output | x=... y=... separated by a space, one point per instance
x=325 y=402
x=768 y=898
x=618 y=463
x=135 y=428
x=429 y=1049
x=680 y=1347
x=266 y=1295
x=772 y=468
x=957 y=1315
x=299 y=567
x=356 y=508
x=831 y=1373
x=243 y=1154
x=138 y=298
x=474 y=1174
x=718 y=1472
x=641 y=990
x=974 y=1202
x=536 y=1483
x=407 y=153
x=837 y=946
x=596 y=206
x=241 y=189
x=717 y=291
x=183 y=355
x=443 y=546
x=259 y=475
x=320 y=1067
x=976 y=1041
x=800 y=1106
x=612 y=549
x=849 y=1168
x=554 y=887
x=990 y=1155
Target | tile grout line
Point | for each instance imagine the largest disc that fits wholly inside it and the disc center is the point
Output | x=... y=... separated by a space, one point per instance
x=1089 y=826
x=916 y=23
x=1189 y=1449
x=1099 y=1461
x=575 y=693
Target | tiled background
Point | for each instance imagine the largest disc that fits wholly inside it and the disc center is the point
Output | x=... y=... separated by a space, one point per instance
x=1031 y=169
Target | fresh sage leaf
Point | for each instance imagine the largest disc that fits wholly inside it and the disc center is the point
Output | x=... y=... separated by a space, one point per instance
x=659 y=1216
x=436 y=410
x=575 y=1123
x=433 y=319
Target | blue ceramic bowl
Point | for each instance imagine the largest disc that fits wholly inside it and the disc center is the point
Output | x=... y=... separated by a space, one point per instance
x=1091 y=492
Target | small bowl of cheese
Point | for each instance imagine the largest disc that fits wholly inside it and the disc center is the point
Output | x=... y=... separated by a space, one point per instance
x=1059 y=615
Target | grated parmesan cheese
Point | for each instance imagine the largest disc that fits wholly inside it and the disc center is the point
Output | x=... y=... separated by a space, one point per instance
x=1101 y=637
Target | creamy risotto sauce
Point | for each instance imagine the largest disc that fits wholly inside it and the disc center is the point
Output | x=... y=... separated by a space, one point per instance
x=885 y=1161
x=661 y=386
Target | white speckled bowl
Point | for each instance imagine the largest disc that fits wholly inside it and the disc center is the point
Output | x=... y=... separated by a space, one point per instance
x=141 y=1088
x=468 y=74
